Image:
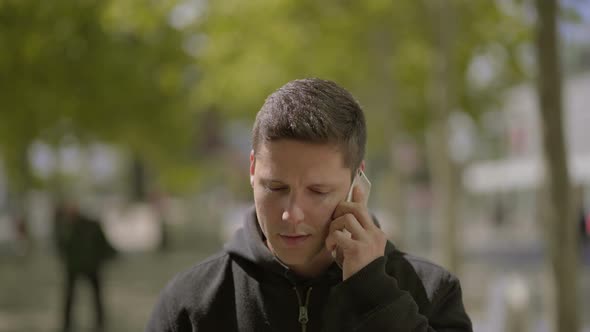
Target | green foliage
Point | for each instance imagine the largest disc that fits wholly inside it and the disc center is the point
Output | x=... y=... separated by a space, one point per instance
x=99 y=70
x=381 y=50
x=118 y=72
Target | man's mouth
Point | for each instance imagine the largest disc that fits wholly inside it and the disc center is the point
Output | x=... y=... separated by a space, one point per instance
x=294 y=240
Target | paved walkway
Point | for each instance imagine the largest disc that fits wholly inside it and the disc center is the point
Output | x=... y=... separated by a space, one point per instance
x=31 y=288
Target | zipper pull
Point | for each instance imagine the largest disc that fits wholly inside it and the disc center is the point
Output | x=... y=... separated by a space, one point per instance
x=303 y=319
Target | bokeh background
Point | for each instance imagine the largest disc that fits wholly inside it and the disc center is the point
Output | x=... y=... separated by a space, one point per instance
x=141 y=111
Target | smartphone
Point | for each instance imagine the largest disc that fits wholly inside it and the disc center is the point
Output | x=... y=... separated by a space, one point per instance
x=361 y=181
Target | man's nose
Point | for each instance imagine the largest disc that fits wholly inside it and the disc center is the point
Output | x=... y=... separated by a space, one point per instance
x=293 y=213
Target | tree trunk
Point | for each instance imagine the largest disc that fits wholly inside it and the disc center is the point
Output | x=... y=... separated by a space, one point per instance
x=381 y=98
x=442 y=101
x=138 y=179
x=444 y=187
x=560 y=230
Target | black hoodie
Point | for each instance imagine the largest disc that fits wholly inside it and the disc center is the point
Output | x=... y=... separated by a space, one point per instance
x=245 y=288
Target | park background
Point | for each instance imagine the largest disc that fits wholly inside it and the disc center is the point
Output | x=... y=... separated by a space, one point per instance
x=141 y=111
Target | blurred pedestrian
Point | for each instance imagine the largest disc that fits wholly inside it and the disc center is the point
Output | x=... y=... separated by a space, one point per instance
x=157 y=201
x=22 y=246
x=82 y=248
x=584 y=225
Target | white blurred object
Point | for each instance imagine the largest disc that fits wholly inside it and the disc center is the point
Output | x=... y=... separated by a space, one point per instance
x=517 y=305
x=508 y=306
x=133 y=229
x=462 y=136
x=233 y=219
x=502 y=175
x=517 y=174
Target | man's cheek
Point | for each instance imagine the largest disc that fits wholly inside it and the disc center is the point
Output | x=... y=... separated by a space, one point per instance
x=323 y=222
x=327 y=217
x=331 y=208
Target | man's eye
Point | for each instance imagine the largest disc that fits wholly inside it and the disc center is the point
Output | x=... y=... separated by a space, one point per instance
x=276 y=188
x=319 y=192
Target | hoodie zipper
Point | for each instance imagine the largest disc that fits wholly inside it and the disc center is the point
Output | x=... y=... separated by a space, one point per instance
x=303 y=317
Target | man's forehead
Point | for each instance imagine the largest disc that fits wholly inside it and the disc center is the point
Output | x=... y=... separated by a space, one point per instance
x=286 y=146
x=317 y=162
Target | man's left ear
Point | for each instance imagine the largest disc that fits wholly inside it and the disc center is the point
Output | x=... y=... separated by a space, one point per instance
x=362 y=166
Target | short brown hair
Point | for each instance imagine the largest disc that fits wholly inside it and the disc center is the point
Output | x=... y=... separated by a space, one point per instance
x=317 y=111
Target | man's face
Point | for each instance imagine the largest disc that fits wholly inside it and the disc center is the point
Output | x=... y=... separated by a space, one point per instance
x=297 y=186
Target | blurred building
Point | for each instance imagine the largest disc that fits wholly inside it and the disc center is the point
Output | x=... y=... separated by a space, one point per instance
x=522 y=169
x=504 y=193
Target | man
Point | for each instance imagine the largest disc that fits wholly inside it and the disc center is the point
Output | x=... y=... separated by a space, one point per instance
x=277 y=273
x=83 y=249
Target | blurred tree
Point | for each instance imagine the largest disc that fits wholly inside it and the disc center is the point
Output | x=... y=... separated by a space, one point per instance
x=107 y=71
x=442 y=101
x=561 y=220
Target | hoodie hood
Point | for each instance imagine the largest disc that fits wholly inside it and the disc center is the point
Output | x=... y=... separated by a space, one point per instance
x=248 y=245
